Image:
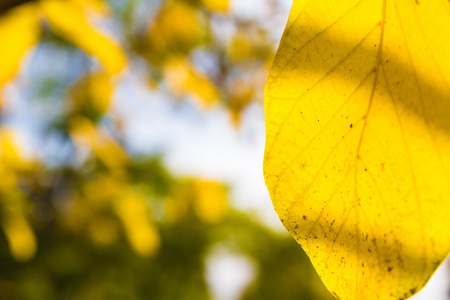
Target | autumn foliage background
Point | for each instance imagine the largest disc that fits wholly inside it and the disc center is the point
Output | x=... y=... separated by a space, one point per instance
x=85 y=214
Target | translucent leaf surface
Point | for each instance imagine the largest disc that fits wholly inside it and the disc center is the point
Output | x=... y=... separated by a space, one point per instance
x=358 y=141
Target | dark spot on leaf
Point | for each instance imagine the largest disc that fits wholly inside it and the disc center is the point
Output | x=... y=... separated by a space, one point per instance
x=305 y=218
x=334 y=293
x=390 y=269
x=374 y=240
x=413 y=291
x=296 y=226
x=351 y=125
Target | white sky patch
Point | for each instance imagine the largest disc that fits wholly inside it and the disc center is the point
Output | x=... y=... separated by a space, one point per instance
x=228 y=274
x=246 y=9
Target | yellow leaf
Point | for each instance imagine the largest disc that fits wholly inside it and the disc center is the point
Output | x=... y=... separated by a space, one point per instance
x=19 y=31
x=240 y=48
x=86 y=134
x=167 y=37
x=91 y=94
x=19 y=234
x=217 y=5
x=21 y=239
x=99 y=7
x=141 y=232
x=211 y=201
x=358 y=140
x=11 y=154
x=183 y=79
x=69 y=20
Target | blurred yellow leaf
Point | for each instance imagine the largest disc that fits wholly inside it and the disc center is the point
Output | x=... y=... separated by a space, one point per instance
x=183 y=79
x=210 y=203
x=86 y=134
x=91 y=94
x=241 y=95
x=167 y=37
x=20 y=236
x=217 y=5
x=21 y=239
x=206 y=199
x=11 y=156
x=240 y=48
x=69 y=20
x=358 y=141
x=134 y=213
x=103 y=188
x=19 y=31
x=98 y=7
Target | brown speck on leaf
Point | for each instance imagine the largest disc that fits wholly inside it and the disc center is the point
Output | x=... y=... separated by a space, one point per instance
x=413 y=291
x=390 y=269
x=305 y=218
x=351 y=125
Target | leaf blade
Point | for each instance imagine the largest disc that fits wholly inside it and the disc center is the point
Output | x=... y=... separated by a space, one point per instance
x=339 y=134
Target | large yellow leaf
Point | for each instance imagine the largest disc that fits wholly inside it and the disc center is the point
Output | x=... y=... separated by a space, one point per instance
x=358 y=141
